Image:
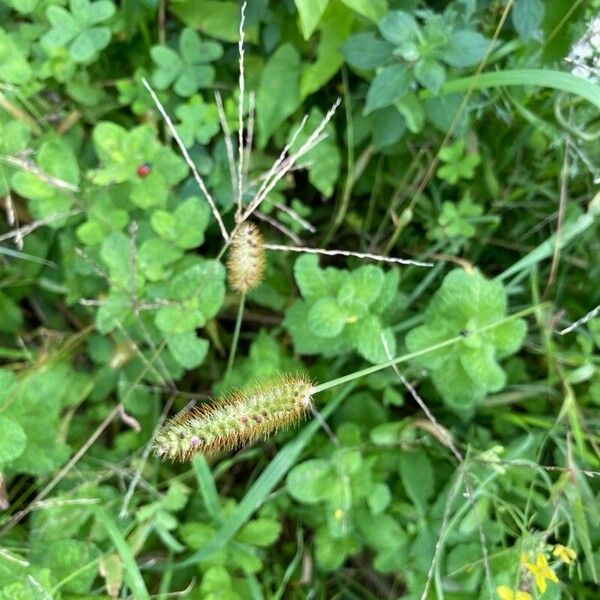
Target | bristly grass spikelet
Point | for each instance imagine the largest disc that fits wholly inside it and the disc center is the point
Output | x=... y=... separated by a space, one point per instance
x=237 y=419
x=246 y=262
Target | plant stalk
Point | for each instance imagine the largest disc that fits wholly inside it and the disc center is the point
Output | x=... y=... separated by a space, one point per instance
x=406 y=357
x=236 y=335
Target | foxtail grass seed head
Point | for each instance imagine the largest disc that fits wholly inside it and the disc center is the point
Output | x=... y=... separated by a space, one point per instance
x=237 y=419
x=246 y=262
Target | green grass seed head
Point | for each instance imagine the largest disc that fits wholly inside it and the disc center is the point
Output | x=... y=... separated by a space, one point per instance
x=235 y=420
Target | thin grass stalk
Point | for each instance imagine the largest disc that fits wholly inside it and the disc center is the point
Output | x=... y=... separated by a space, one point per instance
x=236 y=336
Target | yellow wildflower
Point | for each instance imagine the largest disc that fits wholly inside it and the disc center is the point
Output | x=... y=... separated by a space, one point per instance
x=505 y=593
x=564 y=553
x=541 y=571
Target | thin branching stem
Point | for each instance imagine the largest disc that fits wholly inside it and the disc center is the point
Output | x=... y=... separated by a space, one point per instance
x=241 y=82
x=363 y=255
x=188 y=160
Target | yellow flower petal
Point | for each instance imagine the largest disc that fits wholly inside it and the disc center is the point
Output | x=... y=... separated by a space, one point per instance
x=505 y=593
x=564 y=553
x=523 y=595
x=540 y=582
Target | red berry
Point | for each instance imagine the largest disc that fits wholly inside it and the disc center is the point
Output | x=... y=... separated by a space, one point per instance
x=143 y=170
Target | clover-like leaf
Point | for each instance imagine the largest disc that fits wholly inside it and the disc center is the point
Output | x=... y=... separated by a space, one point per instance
x=326 y=318
x=78 y=28
x=342 y=310
x=199 y=121
x=466 y=371
x=187 y=70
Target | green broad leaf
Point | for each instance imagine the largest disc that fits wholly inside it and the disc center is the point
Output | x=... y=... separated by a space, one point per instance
x=508 y=338
x=116 y=255
x=114 y=311
x=389 y=84
x=217 y=18
x=89 y=43
x=464 y=372
x=184 y=227
x=12 y=440
x=196 y=51
x=199 y=121
x=465 y=49
x=418 y=478
x=189 y=70
x=368 y=281
x=98 y=11
x=169 y=66
x=398 y=27
x=388 y=291
x=310 y=481
x=282 y=73
x=368 y=336
x=379 y=498
x=366 y=51
x=430 y=74
x=71 y=560
x=527 y=16
x=334 y=30
x=165 y=224
x=180 y=318
x=331 y=552
x=23 y=7
x=310 y=12
x=315 y=282
x=387 y=127
x=371 y=9
x=305 y=341
x=14 y=68
x=154 y=256
x=188 y=349
x=381 y=531
x=326 y=318
x=260 y=532
x=483 y=370
x=38 y=416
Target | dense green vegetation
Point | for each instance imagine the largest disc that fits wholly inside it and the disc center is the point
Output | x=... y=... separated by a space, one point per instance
x=452 y=451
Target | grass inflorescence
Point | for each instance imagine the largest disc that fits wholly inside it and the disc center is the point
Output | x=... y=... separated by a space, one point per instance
x=246 y=263
x=236 y=419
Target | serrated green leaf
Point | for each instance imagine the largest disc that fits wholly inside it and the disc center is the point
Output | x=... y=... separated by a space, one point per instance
x=310 y=481
x=417 y=477
x=398 y=27
x=260 y=532
x=326 y=318
x=366 y=51
x=188 y=349
x=389 y=84
x=465 y=49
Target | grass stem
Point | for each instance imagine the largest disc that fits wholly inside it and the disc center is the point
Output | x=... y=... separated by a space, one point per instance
x=236 y=335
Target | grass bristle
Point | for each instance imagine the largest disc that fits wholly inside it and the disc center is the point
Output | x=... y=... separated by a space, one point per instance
x=237 y=419
x=246 y=262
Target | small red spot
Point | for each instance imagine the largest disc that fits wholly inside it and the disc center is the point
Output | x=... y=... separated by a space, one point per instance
x=144 y=170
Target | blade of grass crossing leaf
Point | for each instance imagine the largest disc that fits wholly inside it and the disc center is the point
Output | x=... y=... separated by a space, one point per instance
x=207 y=487
x=264 y=485
x=558 y=80
x=131 y=571
x=29 y=257
x=570 y=232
